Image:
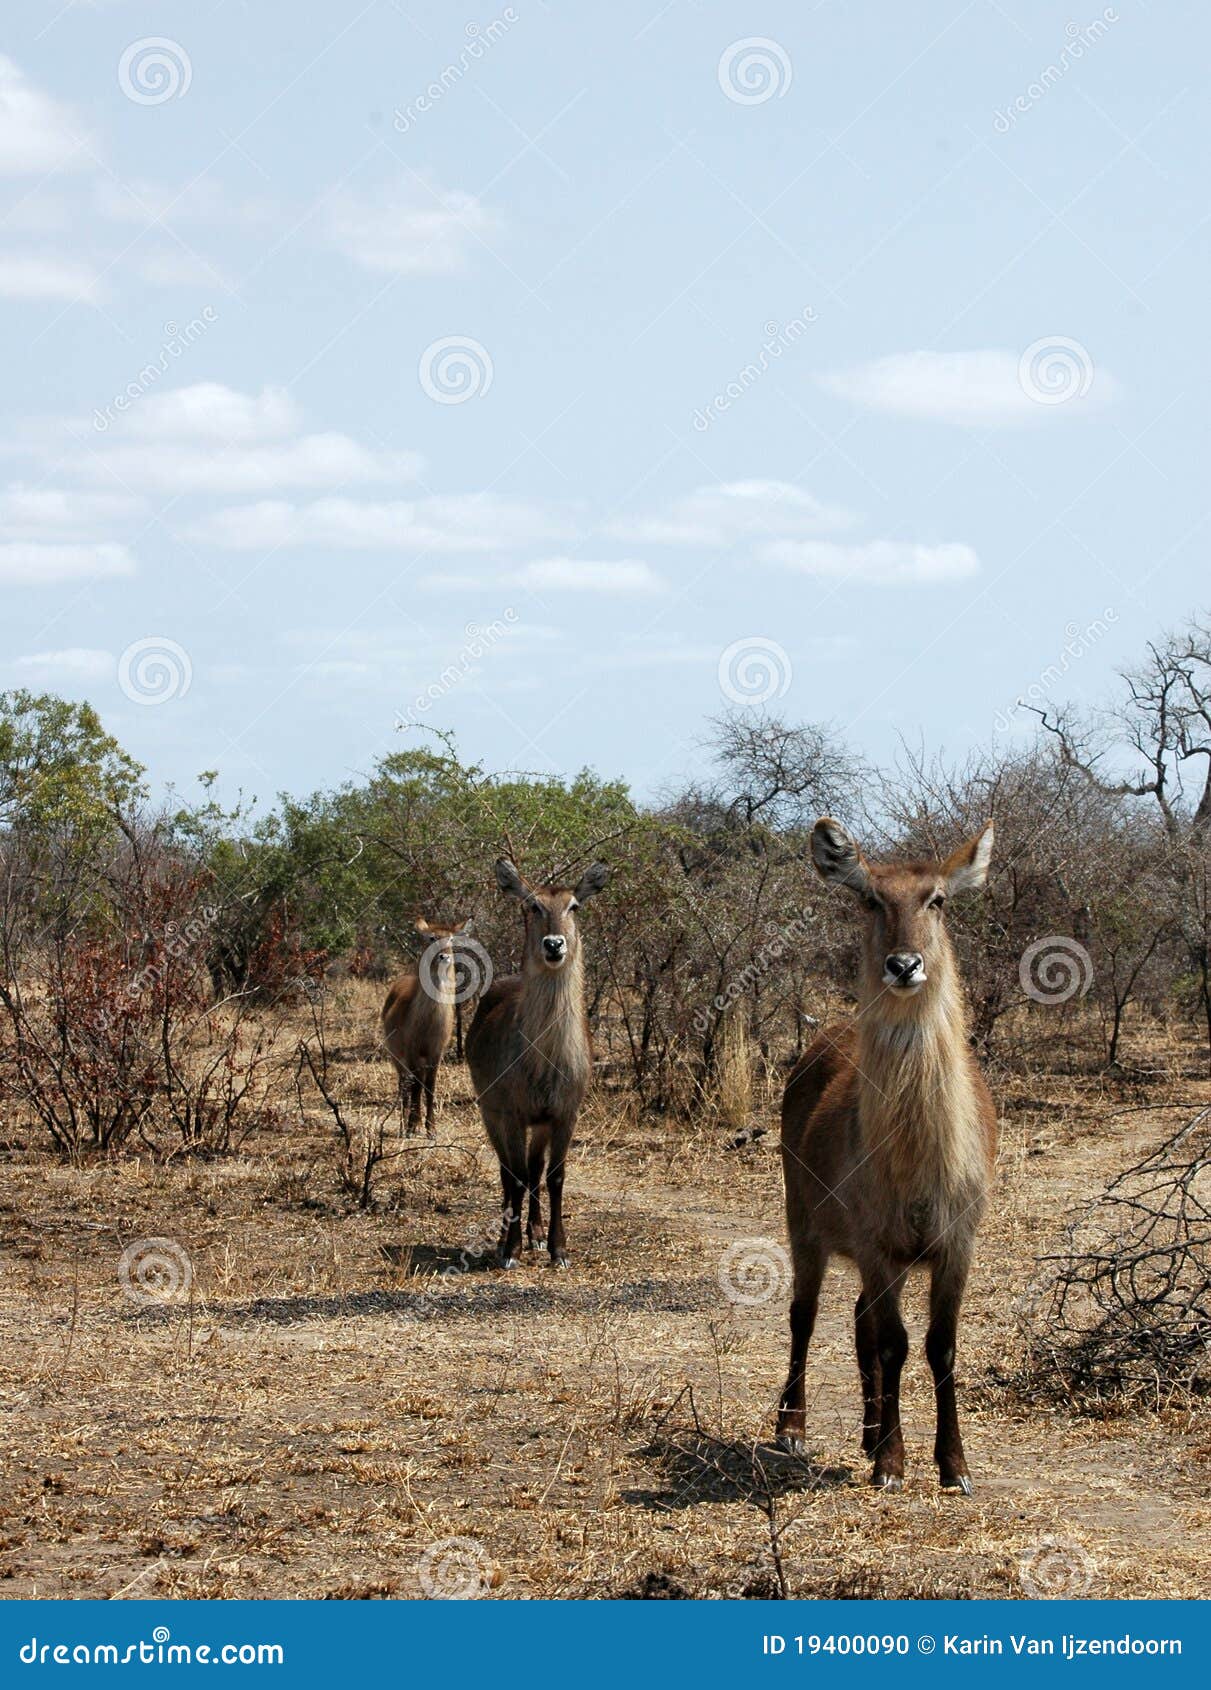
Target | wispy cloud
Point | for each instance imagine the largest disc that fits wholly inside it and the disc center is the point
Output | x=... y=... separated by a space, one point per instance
x=991 y=388
x=28 y=563
x=31 y=276
x=733 y=510
x=478 y=522
x=37 y=132
x=886 y=563
x=77 y=664
x=580 y=575
x=410 y=229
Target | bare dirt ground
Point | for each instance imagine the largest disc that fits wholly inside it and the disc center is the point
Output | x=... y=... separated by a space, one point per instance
x=327 y=1407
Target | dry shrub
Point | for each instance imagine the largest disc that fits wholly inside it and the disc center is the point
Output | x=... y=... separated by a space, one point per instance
x=1127 y=1311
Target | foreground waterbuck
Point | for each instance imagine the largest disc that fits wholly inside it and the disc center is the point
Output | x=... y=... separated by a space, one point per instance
x=888 y=1140
x=418 y=1021
x=531 y=1058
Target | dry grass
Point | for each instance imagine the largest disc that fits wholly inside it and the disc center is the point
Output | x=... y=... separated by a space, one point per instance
x=329 y=1403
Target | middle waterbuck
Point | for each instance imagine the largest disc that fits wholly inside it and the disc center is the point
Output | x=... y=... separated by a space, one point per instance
x=418 y=1021
x=888 y=1140
x=531 y=1059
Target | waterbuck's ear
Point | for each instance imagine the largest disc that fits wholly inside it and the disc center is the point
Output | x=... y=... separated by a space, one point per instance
x=508 y=879
x=465 y=926
x=837 y=858
x=421 y=925
x=966 y=869
x=591 y=882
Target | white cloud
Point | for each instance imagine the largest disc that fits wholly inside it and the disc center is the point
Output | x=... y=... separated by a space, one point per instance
x=409 y=231
x=201 y=201
x=891 y=563
x=26 y=276
x=77 y=663
x=579 y=575
x=28 y=563
x=40 y=513
x=37 y=132
x=992 y=388
x=734 y=510
x=172 y=267
x=470 y=523
x=208 y=438
x=209 y=411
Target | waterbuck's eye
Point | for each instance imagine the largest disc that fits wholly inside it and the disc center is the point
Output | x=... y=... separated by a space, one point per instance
x=936 y=902
x=573 y=906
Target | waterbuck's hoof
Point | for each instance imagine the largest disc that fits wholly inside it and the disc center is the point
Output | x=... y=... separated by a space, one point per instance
x=507 y=1262
x=887 y=1481
x=790 y=1443
x=559 y=1260
x=959 y=1485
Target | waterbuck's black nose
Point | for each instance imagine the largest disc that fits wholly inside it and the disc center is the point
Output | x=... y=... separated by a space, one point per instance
x=554 y=945
x=902 y=965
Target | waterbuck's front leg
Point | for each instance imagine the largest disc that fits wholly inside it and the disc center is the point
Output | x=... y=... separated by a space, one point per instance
x=866 y=1343
x=536 y=1234
x=513 y=1187
x=557 y=1243
x=946 y=1287
x=411 y=1097
x=881 y=1291
x=430 y=1090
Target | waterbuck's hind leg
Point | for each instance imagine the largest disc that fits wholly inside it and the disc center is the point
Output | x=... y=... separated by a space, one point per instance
x=866 y=1342
x=414 y=1101
x=946 y=1287
x=809 y=1260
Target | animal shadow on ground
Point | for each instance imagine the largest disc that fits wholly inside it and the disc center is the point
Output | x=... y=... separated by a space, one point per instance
x=702 y=1468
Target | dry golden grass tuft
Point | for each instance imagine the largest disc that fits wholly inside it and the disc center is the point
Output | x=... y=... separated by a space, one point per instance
x=356 y=1404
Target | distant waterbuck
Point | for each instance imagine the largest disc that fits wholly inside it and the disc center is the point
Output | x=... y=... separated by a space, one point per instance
x=531 y=1058
x=888 y=1141
x=418 y=1021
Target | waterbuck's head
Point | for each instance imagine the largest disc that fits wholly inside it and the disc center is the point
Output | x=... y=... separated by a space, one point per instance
x=906 y=949
x=549 y=912
x=438 y=962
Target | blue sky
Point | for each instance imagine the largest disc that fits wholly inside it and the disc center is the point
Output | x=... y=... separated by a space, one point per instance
x=560 y=375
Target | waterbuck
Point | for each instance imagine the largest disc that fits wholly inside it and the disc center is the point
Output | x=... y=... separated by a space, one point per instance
x=888 y=1141
x=418 y=1021
x=531 y=1058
